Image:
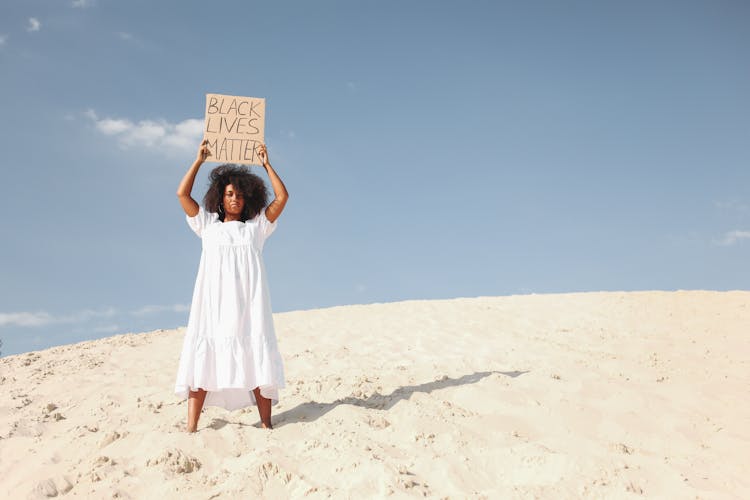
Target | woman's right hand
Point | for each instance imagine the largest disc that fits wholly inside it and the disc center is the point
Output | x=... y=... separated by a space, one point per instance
x=189 y=205
x=203 y=152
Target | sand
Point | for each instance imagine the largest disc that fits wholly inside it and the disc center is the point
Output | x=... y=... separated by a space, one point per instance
x=594 y=395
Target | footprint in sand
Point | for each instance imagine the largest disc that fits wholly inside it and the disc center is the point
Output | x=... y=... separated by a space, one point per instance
x=175 y=461
x=155 y=407
x=407 y=480
x=24 y=403
x=30 y=358
x=634 y=488
x=270 y=470
x=53 y=487
x=457 y=411
x=101 y=466
x=377 y=422
x=426 y=439
x=623 y=448
x=110 y=438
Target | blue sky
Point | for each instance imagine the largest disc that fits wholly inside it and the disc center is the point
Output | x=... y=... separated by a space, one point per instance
x=431 y=150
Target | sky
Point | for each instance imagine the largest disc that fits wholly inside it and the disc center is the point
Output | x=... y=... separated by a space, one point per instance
x=431 y=150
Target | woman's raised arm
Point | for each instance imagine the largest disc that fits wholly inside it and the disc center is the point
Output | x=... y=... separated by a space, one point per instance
x=189 y=205
x=274 y=209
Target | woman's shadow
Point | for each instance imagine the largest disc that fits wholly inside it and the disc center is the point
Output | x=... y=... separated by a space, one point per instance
x=312 y=410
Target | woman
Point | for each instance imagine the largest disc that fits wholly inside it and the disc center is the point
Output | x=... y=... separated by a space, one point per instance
x=229 y=356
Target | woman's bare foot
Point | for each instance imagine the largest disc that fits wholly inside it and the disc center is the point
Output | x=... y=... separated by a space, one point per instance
x=195 y=406
x=264 y=409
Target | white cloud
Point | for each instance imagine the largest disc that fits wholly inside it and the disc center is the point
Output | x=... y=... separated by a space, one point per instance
x=34 y=25
x=88 y=314
x=145 y=133
x=3 y=40
x=25 y=319
x=124 y=35
x=168 y=137
x=114 y=127
x=105 y=329
x=82 y=4
x=732 y=237
x=43 y=318
x=186 y=136
x=156 y=309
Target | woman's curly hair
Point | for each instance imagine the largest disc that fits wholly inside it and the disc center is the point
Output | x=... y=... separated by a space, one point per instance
x=251 y=186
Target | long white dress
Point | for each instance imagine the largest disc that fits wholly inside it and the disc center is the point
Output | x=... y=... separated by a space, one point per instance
x=230 y=344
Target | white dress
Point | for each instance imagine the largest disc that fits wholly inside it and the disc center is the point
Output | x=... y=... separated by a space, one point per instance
x=230 y=345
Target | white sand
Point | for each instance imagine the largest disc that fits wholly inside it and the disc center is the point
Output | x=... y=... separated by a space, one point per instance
x=598 y=395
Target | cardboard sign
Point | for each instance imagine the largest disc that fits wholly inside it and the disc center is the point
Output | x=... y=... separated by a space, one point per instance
x=234 y=128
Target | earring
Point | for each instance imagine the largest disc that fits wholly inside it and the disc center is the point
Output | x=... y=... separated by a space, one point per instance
x=221 y=207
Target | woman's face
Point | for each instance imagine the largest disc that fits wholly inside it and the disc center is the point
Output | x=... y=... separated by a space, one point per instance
x=234 y=202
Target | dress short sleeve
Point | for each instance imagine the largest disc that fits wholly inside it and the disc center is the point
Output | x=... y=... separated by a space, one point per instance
x=266 y=226
x=202 y=219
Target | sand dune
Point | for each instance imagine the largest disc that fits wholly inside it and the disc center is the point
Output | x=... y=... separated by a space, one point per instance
x=596 y=395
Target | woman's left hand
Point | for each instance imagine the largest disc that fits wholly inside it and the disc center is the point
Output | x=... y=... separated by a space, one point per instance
x=274 y=209
x=263 y=154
